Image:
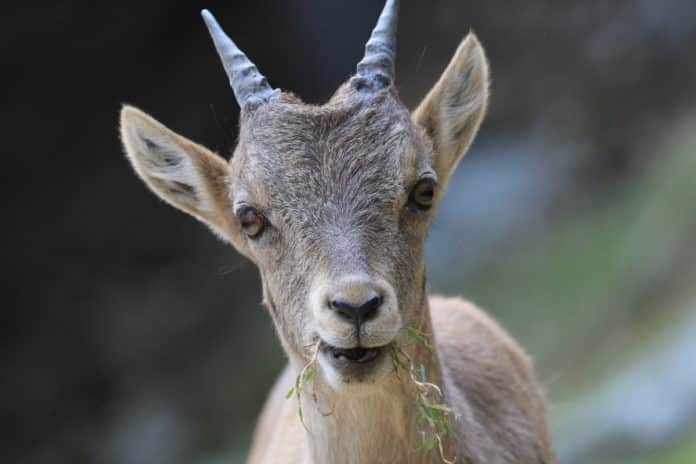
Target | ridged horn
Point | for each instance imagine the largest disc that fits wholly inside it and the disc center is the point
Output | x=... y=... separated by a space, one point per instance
x=248 y=84
x=376 y=69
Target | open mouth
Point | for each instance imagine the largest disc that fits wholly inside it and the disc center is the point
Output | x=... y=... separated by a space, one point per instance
x=344 y=358
x=357 y=355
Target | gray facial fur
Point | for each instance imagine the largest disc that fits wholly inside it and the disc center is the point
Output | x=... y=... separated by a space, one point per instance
x=334 y=182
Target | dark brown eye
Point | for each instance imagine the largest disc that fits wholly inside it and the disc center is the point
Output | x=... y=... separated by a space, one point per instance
x=252 y=222
x=423 y=193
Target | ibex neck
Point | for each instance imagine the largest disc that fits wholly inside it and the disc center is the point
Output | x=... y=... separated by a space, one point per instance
x=379 y=423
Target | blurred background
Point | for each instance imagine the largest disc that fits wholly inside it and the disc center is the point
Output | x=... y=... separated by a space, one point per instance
x=131 y=335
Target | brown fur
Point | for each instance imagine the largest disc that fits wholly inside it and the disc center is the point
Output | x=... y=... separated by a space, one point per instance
x=334 y=182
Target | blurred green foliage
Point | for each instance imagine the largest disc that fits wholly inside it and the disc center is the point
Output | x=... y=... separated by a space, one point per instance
x=603 y=286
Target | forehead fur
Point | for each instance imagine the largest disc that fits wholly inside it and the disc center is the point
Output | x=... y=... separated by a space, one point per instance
x=354 y=147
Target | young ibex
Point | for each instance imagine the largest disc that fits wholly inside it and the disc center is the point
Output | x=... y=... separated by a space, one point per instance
x=333 y=203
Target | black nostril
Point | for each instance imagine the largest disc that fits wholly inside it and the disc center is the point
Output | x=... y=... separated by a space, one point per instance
x=357 y=313
x=343 y=309
x=369 y=308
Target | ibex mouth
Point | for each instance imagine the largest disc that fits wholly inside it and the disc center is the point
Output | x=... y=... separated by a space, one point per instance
x=358 y=355
x=351 y=360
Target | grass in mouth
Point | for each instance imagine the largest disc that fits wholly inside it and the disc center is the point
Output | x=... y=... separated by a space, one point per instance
x=434 y=423
x=302 y=379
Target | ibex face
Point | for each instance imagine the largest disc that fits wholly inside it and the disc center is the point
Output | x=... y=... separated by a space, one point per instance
x=345 y=192
x=331 y=202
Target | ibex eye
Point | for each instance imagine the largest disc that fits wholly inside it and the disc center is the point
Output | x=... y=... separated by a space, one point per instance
x=422 y=194
x=252 y=222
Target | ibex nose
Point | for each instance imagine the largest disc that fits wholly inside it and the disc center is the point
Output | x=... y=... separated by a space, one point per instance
x=357 y=312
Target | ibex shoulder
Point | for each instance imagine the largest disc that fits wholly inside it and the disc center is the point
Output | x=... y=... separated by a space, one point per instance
x=488 y=371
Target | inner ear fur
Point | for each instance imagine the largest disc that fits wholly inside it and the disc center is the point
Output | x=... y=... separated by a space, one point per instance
x=184 y=174
x=452 y=111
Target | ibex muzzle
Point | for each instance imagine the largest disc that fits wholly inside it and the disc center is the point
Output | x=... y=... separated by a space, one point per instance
x=356 y=316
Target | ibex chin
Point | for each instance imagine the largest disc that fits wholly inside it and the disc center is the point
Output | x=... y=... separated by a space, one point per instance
x=333 y=204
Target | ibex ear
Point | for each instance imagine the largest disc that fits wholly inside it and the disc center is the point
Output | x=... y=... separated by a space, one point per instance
x=453 y=109
x=181 y=172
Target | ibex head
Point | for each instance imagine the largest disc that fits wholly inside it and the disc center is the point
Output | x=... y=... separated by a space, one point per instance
x=331 y=202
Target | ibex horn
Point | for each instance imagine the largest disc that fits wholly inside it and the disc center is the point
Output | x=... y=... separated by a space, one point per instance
x=248 y=84
x=376 y=69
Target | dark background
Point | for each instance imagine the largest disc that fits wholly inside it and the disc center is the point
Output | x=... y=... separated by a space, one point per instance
x=132 y=335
